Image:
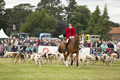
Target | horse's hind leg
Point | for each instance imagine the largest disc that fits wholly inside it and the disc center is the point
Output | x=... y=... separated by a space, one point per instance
x=71 y=55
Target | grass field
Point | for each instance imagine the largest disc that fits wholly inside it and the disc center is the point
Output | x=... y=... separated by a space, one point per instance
x=28 y=71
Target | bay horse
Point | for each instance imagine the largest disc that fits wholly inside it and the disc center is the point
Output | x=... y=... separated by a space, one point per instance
x=73 y=47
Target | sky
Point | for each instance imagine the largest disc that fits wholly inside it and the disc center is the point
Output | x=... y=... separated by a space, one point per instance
x=113 y=6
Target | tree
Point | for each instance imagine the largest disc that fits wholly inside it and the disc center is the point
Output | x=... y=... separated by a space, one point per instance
x=53 y=7
x=80 y=18
x=60 y=29
x=93 y=22
x=16 y=15
x=99 y=24
x=113 y=24
x=3 y=20
x=2 y=4
x=40 y=22
x=70 y=8
x=104 y=25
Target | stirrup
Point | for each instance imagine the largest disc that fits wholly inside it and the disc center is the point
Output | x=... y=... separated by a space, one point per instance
x=64 y=49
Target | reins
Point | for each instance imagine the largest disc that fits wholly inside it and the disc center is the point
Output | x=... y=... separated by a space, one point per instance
x=77 y=42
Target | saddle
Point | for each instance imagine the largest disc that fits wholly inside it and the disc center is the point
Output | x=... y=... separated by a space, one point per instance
x=68 y=41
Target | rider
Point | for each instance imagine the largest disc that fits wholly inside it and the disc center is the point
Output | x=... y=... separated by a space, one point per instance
x=70 y=32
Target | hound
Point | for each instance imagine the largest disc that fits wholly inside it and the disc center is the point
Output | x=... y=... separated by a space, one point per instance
x=36 y=58
x=60 y=57
x=113 y=57
x=13 y=54
x=26 y=56
x=84 y=59
x=6 y=53
x=91 y=58
x=108 y=59
x=51 y=57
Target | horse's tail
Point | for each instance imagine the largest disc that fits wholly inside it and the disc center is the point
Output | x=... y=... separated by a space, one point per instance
x=59 y=49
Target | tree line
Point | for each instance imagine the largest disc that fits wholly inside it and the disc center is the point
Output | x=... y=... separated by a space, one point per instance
x=52 y=16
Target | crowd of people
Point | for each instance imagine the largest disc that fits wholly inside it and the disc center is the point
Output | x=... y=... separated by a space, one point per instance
x=28 y=45
x=107 y=47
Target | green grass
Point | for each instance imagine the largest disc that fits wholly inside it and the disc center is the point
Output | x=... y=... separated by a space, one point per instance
x=28 y=71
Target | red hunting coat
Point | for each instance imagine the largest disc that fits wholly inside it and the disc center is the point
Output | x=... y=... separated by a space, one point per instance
x=69 y=32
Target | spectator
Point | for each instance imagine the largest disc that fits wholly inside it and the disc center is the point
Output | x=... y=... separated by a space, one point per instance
x=42 y=42
x=5 y=48
x=20 y=49
x=104 y=47
x=119 y=49
x=31 y=38
x=38 y=42
x=110 y=46
x=31 y=42
x=58 y=42
x=31 y=49
x=119 y=52
x=35 y=48
x=9 y=42
x=27 y=49
x=86 y=44
x=5 y=41
x=116 y=48
x=99 y=51
x=53 y=44
x=100 y=43
x=45 y=43
x=27 y=41
x=9 y=47
x=49 y=42
x=95 y=44
x=2 y=42
x=14 y=44
x=19 y=42
x=34 y=41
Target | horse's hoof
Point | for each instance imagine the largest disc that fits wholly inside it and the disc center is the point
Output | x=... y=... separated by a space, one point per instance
x=78 y=67
x=67 y=65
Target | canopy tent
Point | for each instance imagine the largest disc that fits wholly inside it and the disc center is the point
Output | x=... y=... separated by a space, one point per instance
x=2 y=34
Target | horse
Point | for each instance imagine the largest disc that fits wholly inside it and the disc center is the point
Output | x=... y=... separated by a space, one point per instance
x=73 y=47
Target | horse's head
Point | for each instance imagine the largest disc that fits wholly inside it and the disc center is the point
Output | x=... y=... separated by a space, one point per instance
x=78 y=37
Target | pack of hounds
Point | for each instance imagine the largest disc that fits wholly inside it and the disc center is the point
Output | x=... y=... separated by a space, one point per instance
x=84 y=60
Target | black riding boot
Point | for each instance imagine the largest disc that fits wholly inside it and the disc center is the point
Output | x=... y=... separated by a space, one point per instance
x=66 y=46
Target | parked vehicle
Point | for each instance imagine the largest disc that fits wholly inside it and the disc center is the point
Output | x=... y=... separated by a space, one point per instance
x=20 y=36
x=45 y=36
x=90 y=38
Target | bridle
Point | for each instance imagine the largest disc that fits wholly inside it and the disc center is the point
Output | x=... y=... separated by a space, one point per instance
x=78 y=43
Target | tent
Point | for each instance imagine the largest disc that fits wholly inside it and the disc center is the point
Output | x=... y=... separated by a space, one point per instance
x=2 y=34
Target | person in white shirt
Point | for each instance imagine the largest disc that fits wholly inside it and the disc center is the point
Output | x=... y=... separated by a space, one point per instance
x=119 y=50
x=14 y=44
x=116 y=47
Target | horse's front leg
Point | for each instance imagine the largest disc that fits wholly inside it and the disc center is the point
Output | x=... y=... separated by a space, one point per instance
x=65 y=58
x=71 y=55
x=77 y=54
